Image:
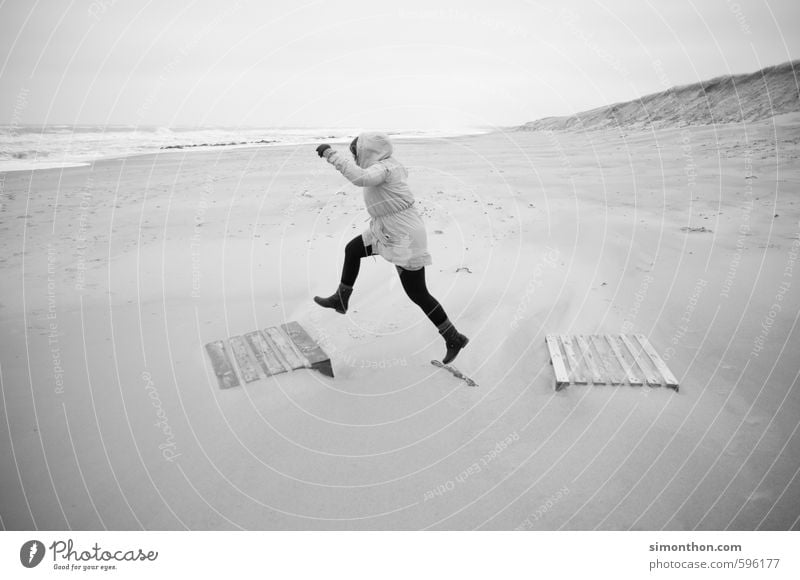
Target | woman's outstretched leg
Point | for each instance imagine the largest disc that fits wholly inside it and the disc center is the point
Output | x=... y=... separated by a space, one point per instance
x=414 y=284
x=353 y=252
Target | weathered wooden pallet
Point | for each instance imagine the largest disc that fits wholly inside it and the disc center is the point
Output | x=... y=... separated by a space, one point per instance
x=267 y=352
x=607 y=359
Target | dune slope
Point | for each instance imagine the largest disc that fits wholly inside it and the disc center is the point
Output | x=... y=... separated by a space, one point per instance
x=774 y=90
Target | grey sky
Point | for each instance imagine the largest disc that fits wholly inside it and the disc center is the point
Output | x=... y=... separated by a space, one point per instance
x=415 y=64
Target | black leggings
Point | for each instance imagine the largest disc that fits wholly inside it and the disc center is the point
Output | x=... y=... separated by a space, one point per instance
x=413 y=281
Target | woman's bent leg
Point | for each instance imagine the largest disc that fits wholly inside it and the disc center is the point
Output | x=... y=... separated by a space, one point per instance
x=353 y=252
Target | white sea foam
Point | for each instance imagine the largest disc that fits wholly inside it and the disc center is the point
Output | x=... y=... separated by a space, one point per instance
x=39 y=147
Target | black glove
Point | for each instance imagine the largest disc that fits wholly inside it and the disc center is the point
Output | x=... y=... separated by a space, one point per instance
x=322 y=148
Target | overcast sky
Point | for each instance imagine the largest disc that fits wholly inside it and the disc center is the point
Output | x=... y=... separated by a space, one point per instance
x=410 y=64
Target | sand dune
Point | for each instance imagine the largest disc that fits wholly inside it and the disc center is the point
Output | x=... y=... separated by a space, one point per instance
x=757 y=96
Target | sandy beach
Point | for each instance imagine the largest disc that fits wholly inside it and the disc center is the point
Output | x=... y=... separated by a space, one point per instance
x=115 y=275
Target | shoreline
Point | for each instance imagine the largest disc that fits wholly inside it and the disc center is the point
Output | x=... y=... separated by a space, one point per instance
x=221 y=147
x=638 y=131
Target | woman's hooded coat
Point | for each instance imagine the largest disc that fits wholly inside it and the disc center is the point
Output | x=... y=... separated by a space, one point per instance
x=396 y=230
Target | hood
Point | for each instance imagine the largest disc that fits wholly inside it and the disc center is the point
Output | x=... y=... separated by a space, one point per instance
x=372 y=147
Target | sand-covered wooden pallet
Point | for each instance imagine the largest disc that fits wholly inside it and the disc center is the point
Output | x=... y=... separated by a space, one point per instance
x=263 y=353
x=607 y=359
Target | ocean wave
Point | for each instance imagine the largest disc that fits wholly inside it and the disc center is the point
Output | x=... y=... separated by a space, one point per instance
x=32 y=146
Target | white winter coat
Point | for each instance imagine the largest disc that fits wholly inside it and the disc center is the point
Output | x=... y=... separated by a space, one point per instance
x=396 y=230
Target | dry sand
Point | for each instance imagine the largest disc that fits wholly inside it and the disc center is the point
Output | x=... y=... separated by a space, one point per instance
x=116 y=275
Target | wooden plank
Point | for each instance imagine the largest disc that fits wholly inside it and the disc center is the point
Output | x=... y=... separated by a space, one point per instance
x=612 y=370
x=562 y=378
x=588 y=357
x=277 y=349
x=630 y=375
x=317 y=358
x=607 y=359
x=669 y=379
x=651 y=378
x=264 y=351
x=221 y=364
x=244 y=359
x=576 y=373
x=286 y=348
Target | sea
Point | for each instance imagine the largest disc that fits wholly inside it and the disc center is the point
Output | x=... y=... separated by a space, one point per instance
x=27 y=147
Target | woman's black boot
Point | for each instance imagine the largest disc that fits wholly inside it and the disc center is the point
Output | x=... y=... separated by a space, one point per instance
x=338 y=301
x=453 y=339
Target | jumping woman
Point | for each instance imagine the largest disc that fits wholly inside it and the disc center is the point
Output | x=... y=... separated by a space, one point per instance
x=395 y=231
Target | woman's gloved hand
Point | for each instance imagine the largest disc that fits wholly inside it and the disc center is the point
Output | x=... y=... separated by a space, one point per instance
x=324 y=150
